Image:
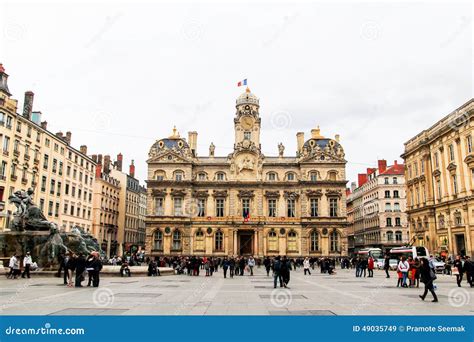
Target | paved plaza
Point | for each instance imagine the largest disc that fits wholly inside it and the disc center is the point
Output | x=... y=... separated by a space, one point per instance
x=318 y=294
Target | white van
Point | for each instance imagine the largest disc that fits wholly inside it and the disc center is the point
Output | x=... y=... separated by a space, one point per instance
x=407 y=251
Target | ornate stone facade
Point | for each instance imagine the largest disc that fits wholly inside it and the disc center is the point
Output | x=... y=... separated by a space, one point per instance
x=246 y=202
x=440 y=184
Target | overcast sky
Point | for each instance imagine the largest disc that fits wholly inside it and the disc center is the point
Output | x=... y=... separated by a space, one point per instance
x=119 y=76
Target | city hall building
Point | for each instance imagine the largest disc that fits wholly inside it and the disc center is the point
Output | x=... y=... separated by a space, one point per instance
x=246 y=203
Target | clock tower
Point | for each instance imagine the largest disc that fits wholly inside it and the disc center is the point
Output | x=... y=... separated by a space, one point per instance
x=247 y=122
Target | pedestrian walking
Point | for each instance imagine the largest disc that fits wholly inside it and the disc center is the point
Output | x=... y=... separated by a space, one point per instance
x=306 y=265
x=276 y=272
x=80 y=269
x=403 y=267
x=27 y=262
x=251 y=264
x=370 y=267
x=386 y=265
x=458 y=270
x=268 y=264
x=427 y=276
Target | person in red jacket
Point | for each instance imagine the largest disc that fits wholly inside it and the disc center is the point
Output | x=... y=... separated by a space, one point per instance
x=370 y=267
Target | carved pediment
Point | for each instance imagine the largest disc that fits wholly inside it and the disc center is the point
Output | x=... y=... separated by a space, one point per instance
x=178 y=192
x=469 y=160
x=451 y=167
x=314 y=193
x=246 y=194
x=291 y=194
x=159 y=192
x=436 y=173
x=220 y=193
x=169 y=156
x=200 y=193
x=272 y=194
x=333 y=193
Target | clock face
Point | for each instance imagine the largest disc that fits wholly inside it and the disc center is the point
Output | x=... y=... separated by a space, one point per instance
x=247 y=122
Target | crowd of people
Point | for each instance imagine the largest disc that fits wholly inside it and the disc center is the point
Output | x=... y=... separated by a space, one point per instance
x=75 y=268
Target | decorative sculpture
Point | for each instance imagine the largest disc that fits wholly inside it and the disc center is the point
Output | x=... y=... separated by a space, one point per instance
x=28 y=215
x=212 y=148
x=281 y=149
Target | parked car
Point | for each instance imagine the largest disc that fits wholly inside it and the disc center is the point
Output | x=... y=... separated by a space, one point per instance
x=439 y=265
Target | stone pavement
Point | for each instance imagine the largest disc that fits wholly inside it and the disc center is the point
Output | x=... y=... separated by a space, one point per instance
x=318 y=294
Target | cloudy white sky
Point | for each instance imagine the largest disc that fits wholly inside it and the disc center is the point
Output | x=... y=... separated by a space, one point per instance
x=119 y=76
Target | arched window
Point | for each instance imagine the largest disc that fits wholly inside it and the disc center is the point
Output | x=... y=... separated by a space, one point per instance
x=176 y=240
x=202 y=176
x=314 y=243
x=178 y=175
x=158 y=240
x=160 y=175
x=219 y=241
x=332 y=175
x=290 y=176
x=199 y=241
x=398 y=236
x=313 y=176
x=220 y=176
x=334 y=241
x=389 y=235
x=272 y=241
x=292 y=243
x=271 y=176
x=457 y=218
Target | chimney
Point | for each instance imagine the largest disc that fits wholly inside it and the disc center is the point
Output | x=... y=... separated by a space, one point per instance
x=28 y=104
x=316 y=133
x=353 y=186
x=395 y=162
x=98 y=171
x=94 y=158
x=192 y=141
x=362 y=179
x=119 y=161
x=348 y=192
x=382 y=165
x=99 y=159
x=337 y=137
x=68 y=137
x=106 y=164
x=370 y=170
x=299 y=141
x=44 y=125
x=59 y=135
x=83 y=149
x=132 y=170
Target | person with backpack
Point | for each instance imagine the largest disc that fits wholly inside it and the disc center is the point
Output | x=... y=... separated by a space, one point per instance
x=428 y=276
x=276 y=272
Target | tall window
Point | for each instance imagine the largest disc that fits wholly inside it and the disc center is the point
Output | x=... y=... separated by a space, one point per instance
x=45 y=162
x=387 y=194
x=314 y=205
x=159 y=206
x=176 y=240
x=6 y=144
x=398 y=221
x=272 y=176
x=438 y=185
x=396 y=206
x=3 y=169
x=158 y=240
x=220 y=176
x=272 y=208
x=219 y=241
x=178 y=176
x=313 y=176
x=389 y=222
x=395 y=180
x=469 y=143
x=386 y=180
x=451 y=152
x=436 y=158
x=389 y=235
x=314 y=247
x=201 y=202
x=333 y=211
x=388 y=207
x=334 y=241
x=396 y=194
x=398 y=236
x=455 y=184
x=43 y=183
x=272 y=241
x=292 y=241
x=220 y=207
x=199 y=241
x=178 y=206
x=290 y=206
x=245 y=207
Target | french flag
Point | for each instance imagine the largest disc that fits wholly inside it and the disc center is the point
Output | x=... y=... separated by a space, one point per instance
x=242 y=83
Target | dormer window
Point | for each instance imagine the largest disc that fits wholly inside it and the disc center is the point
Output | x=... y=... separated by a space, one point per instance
x=272 y=176
x=220 y=176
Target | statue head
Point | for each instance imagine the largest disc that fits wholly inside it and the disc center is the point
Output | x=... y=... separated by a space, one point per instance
x=30 y=191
